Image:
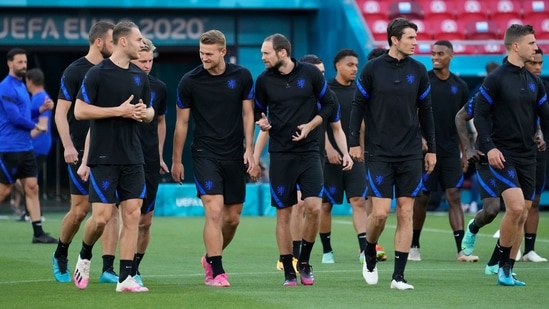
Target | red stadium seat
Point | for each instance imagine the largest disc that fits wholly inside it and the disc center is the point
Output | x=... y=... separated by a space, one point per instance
x=408 y=9
x=535 y=9
x=378 y=28
x=424 y=30
x=448 y=29
x=471 y=10
x=373 y=10
x=482 y=30
x=438 y=10
x=505 y=9
x=491 y=48
x=541 y=26
x=463 y=49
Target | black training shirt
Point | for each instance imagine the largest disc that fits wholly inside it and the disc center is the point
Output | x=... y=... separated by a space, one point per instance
x=345 y=96
x=393 y=97
x=148 y=132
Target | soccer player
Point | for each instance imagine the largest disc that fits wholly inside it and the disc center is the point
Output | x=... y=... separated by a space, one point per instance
x=505 y=117
x=531 y=225
x=17 y=157
x=219 y=96
x=337 y=181
x=113 y=160
x=394 y=99
x=72 y=133
x=288 y=91
x=448 y=94
x=152 y=136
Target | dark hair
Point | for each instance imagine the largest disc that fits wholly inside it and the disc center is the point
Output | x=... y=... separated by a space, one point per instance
x=99 y=30
x=311 y=58
x=346 y=52
x=15 y=51
x=280 y=42
x=515 y=32
x=121 y=29
x=490 y=66
x=376 y=52
x=36 y=76
x=539 y=51
x=445 y=43
x=396 y=28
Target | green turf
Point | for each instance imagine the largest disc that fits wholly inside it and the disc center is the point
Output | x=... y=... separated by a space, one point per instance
x=171 y=269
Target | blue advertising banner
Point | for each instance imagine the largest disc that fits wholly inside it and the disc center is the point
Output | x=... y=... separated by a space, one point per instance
x=65 y=29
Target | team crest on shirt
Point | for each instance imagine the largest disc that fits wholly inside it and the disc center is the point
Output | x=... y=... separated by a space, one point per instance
x=280 y=190
x=410 y=78
x=137 y=80
x=379 y=179
x=208 y=184
x=231 y=83
x=454 y=89
x=532 y=87
x=105 y=184
x=511 y=174
x=301 y=83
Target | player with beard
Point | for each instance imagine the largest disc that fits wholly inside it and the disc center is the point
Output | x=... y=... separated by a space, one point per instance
x=288 y=91
x=113 y=159
x=448 y=94
x=16 y=151
x=72 y=133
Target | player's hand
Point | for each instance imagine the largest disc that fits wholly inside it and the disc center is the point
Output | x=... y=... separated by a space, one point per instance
x=356 y=153
x=40 y=128
x=163 y=168
x=301 y=133
x=140 y=111
x=333 y=156
x=430 y=162
x=48 y=105
x=71 y=155
x=178 y=172
x=249 y=162
x=540 y=141
x=126 y=109
x=464 y=164
x=263 y=123
x=347 y=162
x=496 y=158
x=473 y=155
x=83 y=172
x=256 y=172
x=424 y=147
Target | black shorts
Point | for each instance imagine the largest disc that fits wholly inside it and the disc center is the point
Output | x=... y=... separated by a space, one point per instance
x=17 y=165
x=447 y=173
x=77 y=186
x=493 y=182
x=404 y=176
x=337 y=182
x=152 y=179
x=287 y=170
x=40 y=160
x=220 y=177
x=541 y=165
x=110 y=184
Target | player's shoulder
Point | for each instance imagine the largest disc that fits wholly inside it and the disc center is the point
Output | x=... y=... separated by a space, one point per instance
x=156 y=82
x=80 y=65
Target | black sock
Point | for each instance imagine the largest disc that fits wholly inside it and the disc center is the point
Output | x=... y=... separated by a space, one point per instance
x=370 y=255
x=108 y=263
x=415 y=238
x=217 y=265
x=326 y=244
x=125 y=269
x=529 y=242
x=400 y=264
x=494 y=259
x=86 y=251
x=296 y=247
x=361 y=241
x=473 y=227
x=458 y=237
x=306 y=248
x=512 y=263
x=289 y=271
x=136 y=261
x=37 y=228
x=504 y=256
x=62 y=250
